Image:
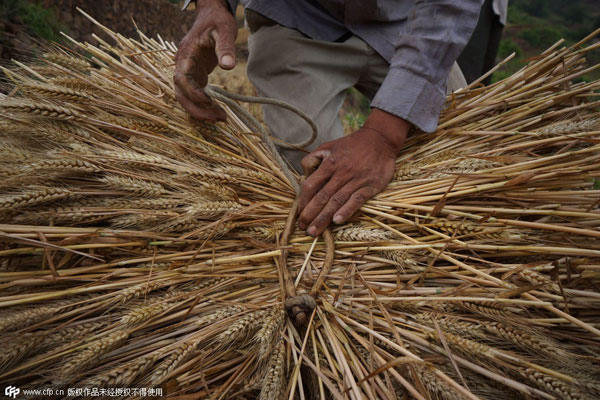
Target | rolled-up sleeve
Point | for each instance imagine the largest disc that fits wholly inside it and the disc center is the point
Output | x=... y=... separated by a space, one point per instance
x=415 y=86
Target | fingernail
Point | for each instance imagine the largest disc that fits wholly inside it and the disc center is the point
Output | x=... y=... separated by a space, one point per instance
x=312 y=231
x=338 y=219
x=227 y=61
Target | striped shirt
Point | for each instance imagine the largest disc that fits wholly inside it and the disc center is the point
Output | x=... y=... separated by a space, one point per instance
x=420 y=39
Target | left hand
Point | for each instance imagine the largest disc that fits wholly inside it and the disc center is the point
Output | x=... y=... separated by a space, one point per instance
x=210 y=41
x=344 y=173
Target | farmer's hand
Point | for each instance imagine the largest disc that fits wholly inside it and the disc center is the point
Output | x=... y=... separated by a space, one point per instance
x=211 y=41
x=344 y=173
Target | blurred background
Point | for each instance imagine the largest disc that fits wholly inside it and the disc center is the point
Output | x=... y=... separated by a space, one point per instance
x=532 y=26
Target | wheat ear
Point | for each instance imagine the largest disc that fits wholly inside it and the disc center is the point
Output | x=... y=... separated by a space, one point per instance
x=90 y=355
x=273 y=382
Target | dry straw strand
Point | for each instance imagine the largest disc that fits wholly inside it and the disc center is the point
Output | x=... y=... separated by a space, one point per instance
x=484 y=244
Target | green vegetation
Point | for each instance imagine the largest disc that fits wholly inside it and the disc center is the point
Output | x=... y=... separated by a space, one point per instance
x=355 y=120
x=507 y=47
x=542 y=36
x=535 y=25
x=41 y=22
x=355 y=111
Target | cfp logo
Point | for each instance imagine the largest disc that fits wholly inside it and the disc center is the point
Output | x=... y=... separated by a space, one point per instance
x=12 y=391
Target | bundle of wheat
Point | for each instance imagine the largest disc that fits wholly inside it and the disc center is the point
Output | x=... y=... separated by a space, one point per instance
x=141 y=249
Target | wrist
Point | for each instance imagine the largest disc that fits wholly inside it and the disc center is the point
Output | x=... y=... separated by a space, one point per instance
x=391 y=128
x=205 y=3
x=217 y=3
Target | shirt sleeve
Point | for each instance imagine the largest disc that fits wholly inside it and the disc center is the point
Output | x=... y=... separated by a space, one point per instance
x=415 y=86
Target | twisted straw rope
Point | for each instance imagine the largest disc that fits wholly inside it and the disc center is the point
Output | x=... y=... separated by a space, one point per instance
x=298 y=306
x=248 y=119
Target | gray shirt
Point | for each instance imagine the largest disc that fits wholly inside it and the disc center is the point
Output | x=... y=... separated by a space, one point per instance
x=420 y=39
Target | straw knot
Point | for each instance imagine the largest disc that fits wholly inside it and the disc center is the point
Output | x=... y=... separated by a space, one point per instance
x=298 y=308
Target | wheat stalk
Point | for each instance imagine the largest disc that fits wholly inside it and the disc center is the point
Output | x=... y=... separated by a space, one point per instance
x=242 y=328
x=90 y=355
x=474 y=273
x=273 y=382
x=357 y=233
x=268 y=332
x=65 y=60
x=144 y=313
x=452 y=324
x=124 y=375
x=435 y=385
x=40 y=109
x=56 y=92
x=177 y=357
x=529 y=341
x=552 y=385
x=33 y=197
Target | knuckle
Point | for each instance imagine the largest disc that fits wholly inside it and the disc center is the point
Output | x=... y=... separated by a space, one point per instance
x=178 y=79
x=228 y=21
x=182 y=46
x=307 y=187
x=347 y=170
x=226 y=29
x=197 y=37
x=305 y=162
x=320 y=221
x=322 y=197
x=338 y=199
x=181 y=99
x=359 y=197
x=303 y=221
x=371 y=191
x=364 y=182
x=332 y=159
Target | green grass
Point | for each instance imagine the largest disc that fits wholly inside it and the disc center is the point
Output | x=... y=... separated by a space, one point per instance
x=535 y=25
x=542 y=36
x=518 y=16
x=41 y=22
x=356 y=109
x=507 y=47
x=355 y=120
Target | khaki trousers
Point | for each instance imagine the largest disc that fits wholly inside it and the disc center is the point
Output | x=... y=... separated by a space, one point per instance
x=314 y=76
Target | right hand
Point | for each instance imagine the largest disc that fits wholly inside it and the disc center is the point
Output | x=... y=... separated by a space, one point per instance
x=211 y=41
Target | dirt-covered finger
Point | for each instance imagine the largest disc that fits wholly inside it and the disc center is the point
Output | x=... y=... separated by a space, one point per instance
x=335 y=203
x=319 y=201
x=197 y=111
x=356 y=201
x=224 y=38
